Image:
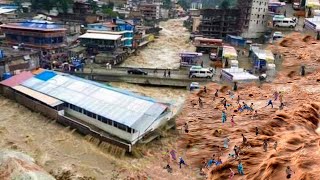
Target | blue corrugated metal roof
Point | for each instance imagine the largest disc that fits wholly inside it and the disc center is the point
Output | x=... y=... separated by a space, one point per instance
x=39 y=24
x=46 y=75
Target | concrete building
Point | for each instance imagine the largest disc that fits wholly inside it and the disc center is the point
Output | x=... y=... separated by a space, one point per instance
x=47 y=37
x=196 y=4
x=218 y=23
x=254 y=17
x=113 y=115
x=150 y=11
x=117 y=26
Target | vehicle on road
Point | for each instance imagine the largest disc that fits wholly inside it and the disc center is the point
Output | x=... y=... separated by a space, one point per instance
x=213 y=56
x=285 y=22
x=194 y=86
x=200 y=72
x=137 y=71
x=296 y=6
x=277 y=35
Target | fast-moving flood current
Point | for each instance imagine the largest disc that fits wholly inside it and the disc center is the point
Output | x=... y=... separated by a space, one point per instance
x=54 y=146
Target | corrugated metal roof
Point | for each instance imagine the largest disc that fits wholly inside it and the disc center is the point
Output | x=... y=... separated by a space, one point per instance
x=36 y=25
x=39 y=96
x=118 y=105
x=17 y=79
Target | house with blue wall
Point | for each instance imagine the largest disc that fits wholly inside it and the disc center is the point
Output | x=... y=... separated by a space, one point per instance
x=116 y=26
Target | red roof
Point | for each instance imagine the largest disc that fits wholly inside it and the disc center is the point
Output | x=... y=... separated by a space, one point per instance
x=17 y=79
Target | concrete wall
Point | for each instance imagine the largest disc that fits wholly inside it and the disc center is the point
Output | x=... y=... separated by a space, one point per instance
x=258 y=19
x=109 y=129
x=36 y=106
x=195 y=23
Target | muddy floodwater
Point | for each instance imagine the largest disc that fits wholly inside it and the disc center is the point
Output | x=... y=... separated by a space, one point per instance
x=54 y=146
x=164 y=52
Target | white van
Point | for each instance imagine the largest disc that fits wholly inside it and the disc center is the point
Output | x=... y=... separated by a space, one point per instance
x=285 y=22
x=199 y=72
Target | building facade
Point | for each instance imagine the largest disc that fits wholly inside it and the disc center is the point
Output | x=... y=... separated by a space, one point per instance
x=48 y=37
x=150 y=11
x=117 y=26
x=254 y=17
x=218 y=23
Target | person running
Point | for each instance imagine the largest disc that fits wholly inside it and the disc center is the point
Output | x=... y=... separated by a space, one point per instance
x=218 y=162
x=216 y=93
x=289 y=172
x=231 y=174
x=238 y=99
x=236 y=152
x=181 y=161
x=275 y=94
x=270 y=103
x=200 y=102
x=255 y=114
x=186 y=128
x=240 y=109
x=265 y=145
x=240 y=168
x=245 y=106
x=257 y=131
x=173 y=154
x=210 y=162
x=251 y=107
x=224 y=117
x=204 y=164
x=244 y=140
x=232 y=121
x=226 y=142
x=275 y=145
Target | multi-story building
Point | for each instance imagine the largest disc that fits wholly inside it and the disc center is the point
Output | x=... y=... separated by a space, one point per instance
x=196 y=4
x=47 y=37
x=254 y=17
x=117 y=26
x=249 y=19
x=150 y=11
x=217 y=23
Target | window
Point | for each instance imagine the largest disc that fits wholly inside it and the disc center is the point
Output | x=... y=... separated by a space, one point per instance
x=202 y=72
x=122 y=127
x=66 y=105
x=99 y=118
x=94 y=116
x=129 y=130
x=285 y=21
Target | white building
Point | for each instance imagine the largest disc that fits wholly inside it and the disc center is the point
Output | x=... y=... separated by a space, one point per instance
x=196 y=4
x=258 y=19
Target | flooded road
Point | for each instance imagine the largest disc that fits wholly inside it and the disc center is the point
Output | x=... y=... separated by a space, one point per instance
x=164 y=52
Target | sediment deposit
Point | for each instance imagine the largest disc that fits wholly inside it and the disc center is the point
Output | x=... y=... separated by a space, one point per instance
x=295 y=127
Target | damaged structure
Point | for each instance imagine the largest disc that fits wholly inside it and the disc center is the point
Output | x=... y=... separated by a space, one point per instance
x=110 y=114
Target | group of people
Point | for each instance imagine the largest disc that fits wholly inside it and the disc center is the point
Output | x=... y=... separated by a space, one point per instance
x=172 y=156
x=237 y=149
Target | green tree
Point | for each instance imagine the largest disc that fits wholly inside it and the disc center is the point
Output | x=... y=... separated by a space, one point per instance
x=94 y=6
x=64 y=4
x=110 y=5
x=109 y=12
x=185 y=4
x=167 y=4
x=225 y=4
